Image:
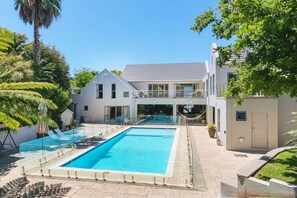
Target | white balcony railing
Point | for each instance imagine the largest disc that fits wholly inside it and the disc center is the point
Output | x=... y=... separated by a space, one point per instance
x=168 y=94
x=222 y=89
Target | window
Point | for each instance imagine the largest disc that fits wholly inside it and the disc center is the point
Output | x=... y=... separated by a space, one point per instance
x=86 y=108
x=207 y=85
x=158 y=90
x=232 y=76
x=210 y=86
x=99 y=91
x=213 y=84
x=113 y=90
x=219 y=120
x=240 y=115
x=126 y=94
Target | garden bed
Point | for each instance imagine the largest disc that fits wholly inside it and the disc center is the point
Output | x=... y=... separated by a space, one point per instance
x=282 y=167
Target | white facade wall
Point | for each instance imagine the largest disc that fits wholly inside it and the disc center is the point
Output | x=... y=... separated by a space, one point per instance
x=278 y=111
x=243 y=129
x=95 y=105
x=286 y=106
x=221 y=105
x=24 y=134
x=211 y=73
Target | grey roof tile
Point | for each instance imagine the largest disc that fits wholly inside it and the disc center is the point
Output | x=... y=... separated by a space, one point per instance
x=165 y=72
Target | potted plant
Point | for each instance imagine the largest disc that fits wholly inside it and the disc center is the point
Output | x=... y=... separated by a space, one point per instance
x=196 y=93
x=211 y=130
x=203 y=119
x=141 y=93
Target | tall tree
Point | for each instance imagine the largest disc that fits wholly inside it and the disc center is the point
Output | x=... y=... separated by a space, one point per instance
x=117 y=72
x=6 y=39
x=40 y=13
x=266 y=30
x=53 y=67
x=82 y=77
x=19 y=102
x=11 y=50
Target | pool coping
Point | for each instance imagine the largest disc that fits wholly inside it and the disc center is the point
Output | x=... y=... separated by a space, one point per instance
x=170 y=164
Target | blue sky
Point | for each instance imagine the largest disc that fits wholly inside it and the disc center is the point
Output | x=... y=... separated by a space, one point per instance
x=112 y=33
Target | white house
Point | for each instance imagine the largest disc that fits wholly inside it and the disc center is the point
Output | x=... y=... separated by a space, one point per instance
x=189 y=89
x=152 y=89
x=259 y=123
x=105 y=98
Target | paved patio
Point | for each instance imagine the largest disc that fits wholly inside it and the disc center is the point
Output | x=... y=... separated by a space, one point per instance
x=216 y=164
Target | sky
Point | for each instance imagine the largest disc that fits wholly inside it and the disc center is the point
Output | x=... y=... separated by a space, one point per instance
x=109 y=34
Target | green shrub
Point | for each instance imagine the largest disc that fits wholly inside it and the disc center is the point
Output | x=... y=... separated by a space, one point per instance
x=212 y=126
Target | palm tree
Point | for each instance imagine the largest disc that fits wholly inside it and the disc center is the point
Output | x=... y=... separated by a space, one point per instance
x=19 y=102
x=40 y=13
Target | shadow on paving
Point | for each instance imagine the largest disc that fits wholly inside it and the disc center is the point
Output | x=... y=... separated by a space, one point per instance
x=199 y=182
x=8 y=162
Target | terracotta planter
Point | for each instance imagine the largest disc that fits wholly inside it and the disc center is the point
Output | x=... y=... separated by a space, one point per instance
x=211 y=133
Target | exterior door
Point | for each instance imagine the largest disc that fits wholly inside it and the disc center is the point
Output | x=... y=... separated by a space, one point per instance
x=259 y=130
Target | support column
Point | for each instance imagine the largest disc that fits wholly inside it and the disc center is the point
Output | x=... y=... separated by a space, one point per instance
x=135 y=110
x=174 y=113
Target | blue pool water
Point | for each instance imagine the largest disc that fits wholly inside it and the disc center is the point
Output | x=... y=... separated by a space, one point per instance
x=145 y=150
x=159 y=119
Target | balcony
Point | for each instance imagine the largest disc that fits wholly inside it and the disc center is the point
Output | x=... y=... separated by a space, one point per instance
x=222 y=89
x=168 y=94
x=189 y=94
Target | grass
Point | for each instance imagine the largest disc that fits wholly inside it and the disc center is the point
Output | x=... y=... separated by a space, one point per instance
x=282 y=167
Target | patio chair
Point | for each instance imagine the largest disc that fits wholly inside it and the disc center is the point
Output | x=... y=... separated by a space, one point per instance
x=52 y=135
x=60 y=134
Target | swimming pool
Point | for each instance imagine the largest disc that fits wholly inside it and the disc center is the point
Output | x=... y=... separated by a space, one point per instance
x=137 y=149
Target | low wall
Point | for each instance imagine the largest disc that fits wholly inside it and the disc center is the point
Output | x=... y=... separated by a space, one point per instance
x=248 y=186
x=24 y=134
x=256 y=187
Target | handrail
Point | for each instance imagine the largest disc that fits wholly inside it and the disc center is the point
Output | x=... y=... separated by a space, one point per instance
x=171 y=93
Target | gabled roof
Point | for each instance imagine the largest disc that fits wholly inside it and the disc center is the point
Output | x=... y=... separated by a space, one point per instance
x=165 y=72
x=68 y=111
x=124 y=81
x=103 y=74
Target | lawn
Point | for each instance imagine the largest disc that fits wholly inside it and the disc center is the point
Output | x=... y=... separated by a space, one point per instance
x=282 y=167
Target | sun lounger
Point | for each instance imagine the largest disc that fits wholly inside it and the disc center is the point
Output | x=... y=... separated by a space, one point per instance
x=54 y=136
x=60 y=133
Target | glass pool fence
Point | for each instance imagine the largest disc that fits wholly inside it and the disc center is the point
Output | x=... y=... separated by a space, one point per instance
x=40 y=151
x=49 y=156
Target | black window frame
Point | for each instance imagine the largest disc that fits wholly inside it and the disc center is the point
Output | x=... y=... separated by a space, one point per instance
x=239 y=118
x=99 y=93
x=113 y=91
x=126 y=96
x=86 y=108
